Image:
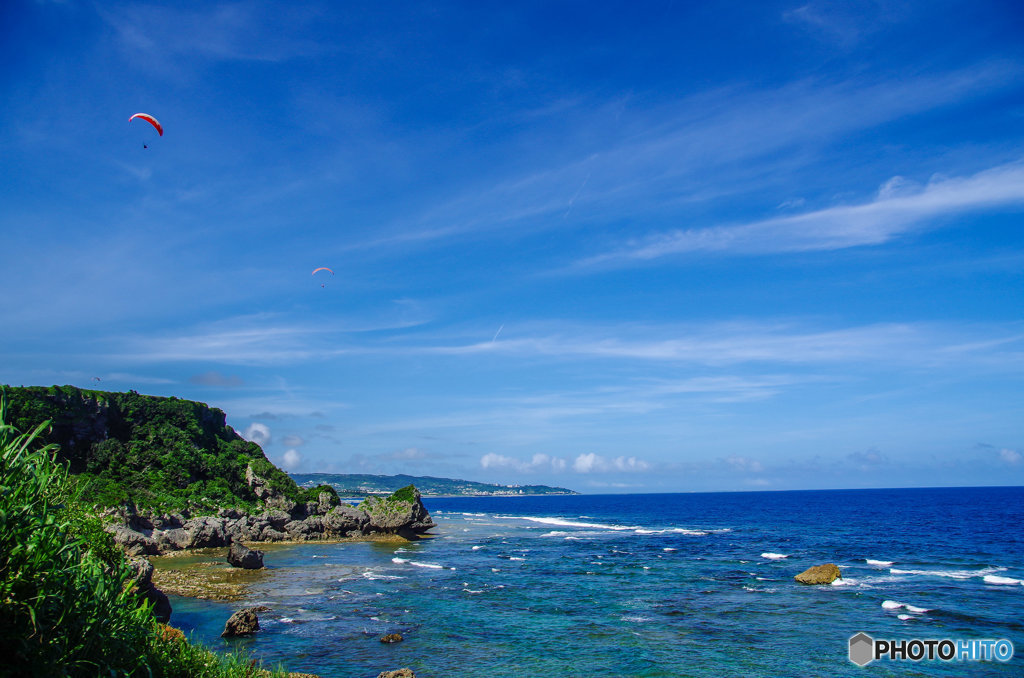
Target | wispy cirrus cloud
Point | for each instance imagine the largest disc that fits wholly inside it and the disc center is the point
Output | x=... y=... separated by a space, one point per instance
x=259 y=339
x=898 y=209
x=653 y=160
x=250 y=31
x=792 y=343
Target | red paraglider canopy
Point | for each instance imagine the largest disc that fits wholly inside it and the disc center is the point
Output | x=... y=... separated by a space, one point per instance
x=150 y=119
x=322 y=268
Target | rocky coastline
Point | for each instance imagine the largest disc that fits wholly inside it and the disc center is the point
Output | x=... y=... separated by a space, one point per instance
x=147 y=533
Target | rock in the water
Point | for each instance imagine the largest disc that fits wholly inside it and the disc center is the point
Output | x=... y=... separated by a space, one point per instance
x=142 y=573
x=241 y=556
x=242 y=623
x=403 y=510
x=161 y=604
x=819 y=574
x=400 y=673
x=392 y=638
x=343 y=519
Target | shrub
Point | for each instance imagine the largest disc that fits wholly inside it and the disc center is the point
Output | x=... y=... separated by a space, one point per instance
x=68 y=605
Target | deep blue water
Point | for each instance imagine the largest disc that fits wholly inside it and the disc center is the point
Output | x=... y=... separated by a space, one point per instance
x=648 y=585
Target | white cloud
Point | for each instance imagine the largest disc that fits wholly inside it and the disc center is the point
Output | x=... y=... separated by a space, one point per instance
x=585 y=463
x=408 y=453
x=595 y=463
x=630 y=464
x=542 y=460
x=744 y=465
x=732 y=343
x=492 y=460
x=1011 y=457
x=703 y=147
x=539 y=462
x=898 y=208
x=293 y=441
x=291 y=459
x=257 y=433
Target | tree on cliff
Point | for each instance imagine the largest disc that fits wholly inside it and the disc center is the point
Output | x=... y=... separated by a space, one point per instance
x=164 y=453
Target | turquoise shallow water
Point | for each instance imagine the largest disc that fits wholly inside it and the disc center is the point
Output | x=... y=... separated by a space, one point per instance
x=648 y=585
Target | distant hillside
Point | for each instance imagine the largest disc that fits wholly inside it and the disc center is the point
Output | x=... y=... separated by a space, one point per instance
x=358 y=485
x=161 y=453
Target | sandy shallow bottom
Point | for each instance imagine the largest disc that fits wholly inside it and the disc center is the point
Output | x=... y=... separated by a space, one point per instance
x=206 y=574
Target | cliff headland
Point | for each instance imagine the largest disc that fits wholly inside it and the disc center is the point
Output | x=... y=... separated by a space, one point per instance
x=169 y=474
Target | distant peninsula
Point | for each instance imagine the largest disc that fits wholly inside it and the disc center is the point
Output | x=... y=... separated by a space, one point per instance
x=363 y=485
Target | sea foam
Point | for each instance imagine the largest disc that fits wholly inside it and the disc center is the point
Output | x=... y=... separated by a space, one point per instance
x=1002 y=581
x=878 y=563
x=896 y=605
x=561 y=522
x=951 y=574
x=774 y=556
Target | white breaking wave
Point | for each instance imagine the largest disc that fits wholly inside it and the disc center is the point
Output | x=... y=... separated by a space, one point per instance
x=673 y=530
x=372 y=576
x=951 y=574
x=400 y=561
x=1002 y=581
x=571 y=523
x=774 y=556
x=878 y=563
x=477 y=548
x=896 y=605
x=555 y=533
x=636 y=618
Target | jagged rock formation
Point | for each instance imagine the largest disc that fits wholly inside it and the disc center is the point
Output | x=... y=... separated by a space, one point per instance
x=242 y=623
x=820 y=574
x=398 y=673
x=401 y=513
x=241 y=556
x=139 y=533
x=142 y=571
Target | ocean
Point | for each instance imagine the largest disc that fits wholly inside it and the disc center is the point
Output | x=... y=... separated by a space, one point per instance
x=647 y=585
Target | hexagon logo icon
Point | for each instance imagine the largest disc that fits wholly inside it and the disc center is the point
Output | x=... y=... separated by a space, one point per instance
x=862 y=649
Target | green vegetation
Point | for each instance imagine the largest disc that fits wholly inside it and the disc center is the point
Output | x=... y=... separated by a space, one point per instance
x=160 y=453
x=399 y=502
x=68 y=605
x=406 y=494
x=362 y=485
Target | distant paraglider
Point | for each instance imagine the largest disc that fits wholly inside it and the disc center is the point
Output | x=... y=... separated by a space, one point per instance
x=322 y=268
x=151 y=120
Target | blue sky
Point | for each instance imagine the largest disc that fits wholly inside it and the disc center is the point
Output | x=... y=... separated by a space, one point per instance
x=618 y=247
